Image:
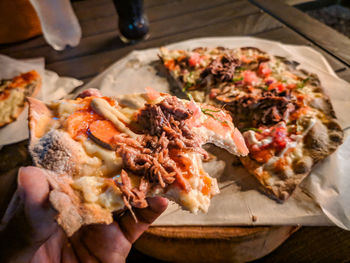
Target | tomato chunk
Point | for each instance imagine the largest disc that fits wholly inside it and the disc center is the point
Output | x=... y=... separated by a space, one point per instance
x=194 y=60
x=250 y=77
x=277 y=86
x=264 y=69
x=207 y=185
x=103 y=131
x=78 y=123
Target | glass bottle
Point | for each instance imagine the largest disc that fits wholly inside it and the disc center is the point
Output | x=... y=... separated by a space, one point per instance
x=133 y=23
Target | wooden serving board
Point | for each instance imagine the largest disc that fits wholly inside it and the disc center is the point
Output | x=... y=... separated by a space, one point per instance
x=212 y=244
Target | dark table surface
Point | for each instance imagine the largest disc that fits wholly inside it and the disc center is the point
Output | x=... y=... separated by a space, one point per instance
x=176 y=20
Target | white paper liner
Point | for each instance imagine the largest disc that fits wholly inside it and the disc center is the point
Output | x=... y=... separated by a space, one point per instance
x=53 y=87
x=239 y=202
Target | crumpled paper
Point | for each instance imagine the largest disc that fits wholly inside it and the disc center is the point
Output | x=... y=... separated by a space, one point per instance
x=53 y=87
x=322 y=199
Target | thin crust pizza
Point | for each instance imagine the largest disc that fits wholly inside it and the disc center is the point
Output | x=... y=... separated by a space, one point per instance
x=286 y=118
x=103 y=154
x=13 y=93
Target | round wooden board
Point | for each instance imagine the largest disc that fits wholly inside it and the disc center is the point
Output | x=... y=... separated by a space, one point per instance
x=212 y=244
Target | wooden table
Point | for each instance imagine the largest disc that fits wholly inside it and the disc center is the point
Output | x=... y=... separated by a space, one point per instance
x=176 y=20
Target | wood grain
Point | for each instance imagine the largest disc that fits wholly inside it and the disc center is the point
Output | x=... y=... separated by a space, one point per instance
x=212 y=244
x=288 y=36
x=321 y=35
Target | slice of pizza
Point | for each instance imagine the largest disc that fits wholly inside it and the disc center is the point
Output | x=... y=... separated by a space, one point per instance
x=104 y=154
x=288 y=121
x=13 y=93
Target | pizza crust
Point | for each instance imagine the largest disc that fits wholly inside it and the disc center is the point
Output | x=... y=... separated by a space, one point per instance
x=282 y=188
x=73 y=212
x=321 y=141
x=56 y=152
x=35 y=90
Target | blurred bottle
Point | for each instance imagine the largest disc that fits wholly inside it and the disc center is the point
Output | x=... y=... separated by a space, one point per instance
x=133 y=24
x=59 y=24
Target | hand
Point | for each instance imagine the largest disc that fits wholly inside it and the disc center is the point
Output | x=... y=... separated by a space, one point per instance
x=40 y=239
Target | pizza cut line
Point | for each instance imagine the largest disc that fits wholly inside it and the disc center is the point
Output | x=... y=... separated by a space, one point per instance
x=13 y=93
x=103 y=154
x=285 y=116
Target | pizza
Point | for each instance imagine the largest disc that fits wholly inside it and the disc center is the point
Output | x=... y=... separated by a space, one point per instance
x=13 y=93
x=286 y=118
x=102 y=155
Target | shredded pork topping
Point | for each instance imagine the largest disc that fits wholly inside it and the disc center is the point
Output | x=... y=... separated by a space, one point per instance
x=222 y=68
x=133 y=196
x=148 y=155
x=262 y=110
x=168 y=118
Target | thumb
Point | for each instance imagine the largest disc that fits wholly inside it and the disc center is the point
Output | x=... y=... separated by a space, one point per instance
x=33 y=189
x=32 y=221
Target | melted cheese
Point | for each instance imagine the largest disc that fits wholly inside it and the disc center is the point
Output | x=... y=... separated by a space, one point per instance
x=297 y=153
x=90 y=186
x=194 y=200
x=111 y=199
x=250 y=136
x=111 y=163
x=66 y=108
x=9 y=106
x=95 y=190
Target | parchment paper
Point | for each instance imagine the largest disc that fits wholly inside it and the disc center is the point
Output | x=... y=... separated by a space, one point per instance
x=240 y=203
x=53 y=87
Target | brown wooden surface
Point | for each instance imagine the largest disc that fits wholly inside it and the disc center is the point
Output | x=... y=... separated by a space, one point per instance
x=176 y=20
x=323 y=36
x=212 y=244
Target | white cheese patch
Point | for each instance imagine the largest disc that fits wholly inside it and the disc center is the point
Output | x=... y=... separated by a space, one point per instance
x=194 y=200
x=9 y=106
x=95 y=190
x=111 y=199
x=111 y=163
x=66 y=108
x=90 y=186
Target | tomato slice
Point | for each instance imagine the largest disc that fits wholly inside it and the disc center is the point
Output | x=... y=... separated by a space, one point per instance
x=250 y=77
x=277 y=86
x=264 y=69
x=194 y=60
x=103 y=131
x=78 y=123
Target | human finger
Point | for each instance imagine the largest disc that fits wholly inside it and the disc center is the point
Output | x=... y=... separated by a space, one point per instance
x=32 y=221
x=51 y=250
x=132 y=229
x=68 y=255
x=106 y=242
x=81 y=250
x=33 y=189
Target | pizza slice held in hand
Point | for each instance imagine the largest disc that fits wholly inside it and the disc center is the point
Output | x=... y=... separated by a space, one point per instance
x=102 y=154
x=13 y=93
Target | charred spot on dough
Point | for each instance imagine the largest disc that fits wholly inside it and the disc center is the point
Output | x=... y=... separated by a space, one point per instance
x=323 y=139
x=334 y=125
x=317 y=141
x=303 y=165
x=53 y=153
x=336 y=136
x=323 y=105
